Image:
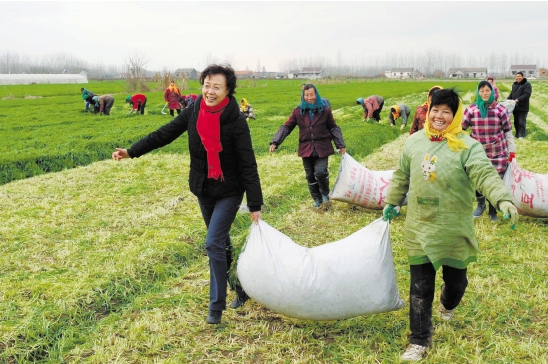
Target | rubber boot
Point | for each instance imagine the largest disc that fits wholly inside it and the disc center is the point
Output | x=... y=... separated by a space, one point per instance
x=481 y=207
x=493 y=213
x=315 y=193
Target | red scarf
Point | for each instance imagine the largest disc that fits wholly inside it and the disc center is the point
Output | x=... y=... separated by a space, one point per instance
x=209 y=129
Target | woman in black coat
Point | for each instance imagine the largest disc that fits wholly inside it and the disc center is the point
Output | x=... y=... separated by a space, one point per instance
x=222 y=168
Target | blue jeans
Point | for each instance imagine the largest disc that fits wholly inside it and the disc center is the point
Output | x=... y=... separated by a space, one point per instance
x=219 y=214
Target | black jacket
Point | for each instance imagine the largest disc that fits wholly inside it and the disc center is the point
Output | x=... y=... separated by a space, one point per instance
x=238 y=161
x=521 y=91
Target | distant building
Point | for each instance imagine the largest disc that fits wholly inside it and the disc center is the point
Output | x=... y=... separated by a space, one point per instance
x=467 y=72
x=399 y=73
x=244 y=74
x=28 y=79
x=190 y=73
x=309 y=73
x=529 y=70
x=543 y=73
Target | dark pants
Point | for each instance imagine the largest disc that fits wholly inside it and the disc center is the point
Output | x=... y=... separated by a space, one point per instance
x=172 y=113
x=317 y=176
x=520 y=120
x=109 y=102
x=377 y=113
x=141 y=107
x=421 y=296
x=219 y=214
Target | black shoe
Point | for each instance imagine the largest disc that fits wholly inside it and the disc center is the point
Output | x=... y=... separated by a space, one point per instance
x=238 y=302
x=493 y=213
x=214 y=317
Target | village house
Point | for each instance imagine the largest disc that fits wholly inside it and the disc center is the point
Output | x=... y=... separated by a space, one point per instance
x=529 y=70
x=543 y=73
x=400 y=73
x=480 y=72
x=310 y=73
x=247 y=74
x=190 y=73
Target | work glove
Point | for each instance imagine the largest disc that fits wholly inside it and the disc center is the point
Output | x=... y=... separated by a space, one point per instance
x=509 y=211
x=389 y=212
x=511 y=156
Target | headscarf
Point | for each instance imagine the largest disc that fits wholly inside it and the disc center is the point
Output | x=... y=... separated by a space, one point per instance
x=174 y=89
x=483 y=106
x=209 y=129
x=450 y=133
x=426 y=103
x=128 y=99
x=396 y=114
x=243 y=105
x=317 y=107
x=360 y=100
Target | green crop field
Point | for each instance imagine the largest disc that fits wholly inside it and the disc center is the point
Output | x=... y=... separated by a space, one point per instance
x=103 y=261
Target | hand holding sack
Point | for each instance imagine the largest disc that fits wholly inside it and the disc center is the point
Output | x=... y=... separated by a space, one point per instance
x=509 y=211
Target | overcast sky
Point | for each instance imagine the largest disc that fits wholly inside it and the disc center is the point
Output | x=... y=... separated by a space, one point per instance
x=185 y=34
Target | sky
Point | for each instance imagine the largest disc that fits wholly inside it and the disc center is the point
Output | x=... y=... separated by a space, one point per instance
x=188 y=34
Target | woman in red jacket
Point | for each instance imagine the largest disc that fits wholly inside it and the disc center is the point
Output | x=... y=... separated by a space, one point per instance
x=316 y=130
x=171 y=96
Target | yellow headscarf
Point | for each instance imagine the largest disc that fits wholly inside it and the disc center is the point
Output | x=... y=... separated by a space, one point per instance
x=244 y=104
x=426 y=103
x=397 y=113
x=450 y=133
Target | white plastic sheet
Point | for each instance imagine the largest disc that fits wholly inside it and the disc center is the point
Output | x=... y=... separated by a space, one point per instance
x=343 y=279
x=529 y=190
x=360 y=186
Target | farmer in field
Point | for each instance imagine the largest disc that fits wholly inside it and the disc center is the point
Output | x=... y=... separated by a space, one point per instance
x=187 y=100
x=316 y=130
x=222 y=168
x=492 y=82
x=171 y=97
x=137 y=102
x=85 y=95
x=372 y=107
x=104 y=103
x=441 y=167
x=521 y=92
x=397 y=111
x=421 y=111
x=490 y=125
x=247 y=109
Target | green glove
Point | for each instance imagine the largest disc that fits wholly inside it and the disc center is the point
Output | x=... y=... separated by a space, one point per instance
x=509 y=211
x=389 y=212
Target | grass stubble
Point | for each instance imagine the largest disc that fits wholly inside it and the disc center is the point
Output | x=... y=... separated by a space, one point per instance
x=105 y=263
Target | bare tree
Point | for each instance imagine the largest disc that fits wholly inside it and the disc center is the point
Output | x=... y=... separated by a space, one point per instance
x=135 y=78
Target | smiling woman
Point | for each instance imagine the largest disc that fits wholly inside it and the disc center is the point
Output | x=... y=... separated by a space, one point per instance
x=222 y=168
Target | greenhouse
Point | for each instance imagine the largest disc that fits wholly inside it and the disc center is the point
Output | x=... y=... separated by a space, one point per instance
x=28 y=79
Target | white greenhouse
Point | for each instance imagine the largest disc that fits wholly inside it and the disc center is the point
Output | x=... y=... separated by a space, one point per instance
x=28 y=79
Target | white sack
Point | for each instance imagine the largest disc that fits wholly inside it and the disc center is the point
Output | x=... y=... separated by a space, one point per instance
x=360 y=186
x=509 y=104
x=529 y=190
x=347 y=278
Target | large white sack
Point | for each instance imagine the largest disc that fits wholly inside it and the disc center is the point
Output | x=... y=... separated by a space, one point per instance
x=509 y=104
x=529 y=190
x=360 y=186
x=347 y=278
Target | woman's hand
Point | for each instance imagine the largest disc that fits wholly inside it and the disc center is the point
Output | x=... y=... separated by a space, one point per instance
x=342 y=150
x=120 y=154
x=255 y=216
x=273 y=147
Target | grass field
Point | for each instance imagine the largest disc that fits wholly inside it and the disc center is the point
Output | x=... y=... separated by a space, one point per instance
x=105 y=262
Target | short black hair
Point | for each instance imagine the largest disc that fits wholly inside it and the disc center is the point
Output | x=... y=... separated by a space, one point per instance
x=221 y=69
x=82 y=89
x=392 y=109
x=485 y=83
x=447 y=96
x=308 y=86
x=520 y=73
